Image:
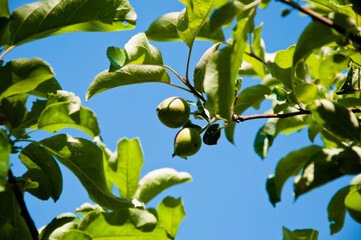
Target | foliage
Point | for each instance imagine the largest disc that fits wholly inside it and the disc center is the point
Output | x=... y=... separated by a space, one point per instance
x=313 y=84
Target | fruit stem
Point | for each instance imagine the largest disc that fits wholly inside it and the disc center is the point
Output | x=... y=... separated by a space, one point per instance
x=215 y=119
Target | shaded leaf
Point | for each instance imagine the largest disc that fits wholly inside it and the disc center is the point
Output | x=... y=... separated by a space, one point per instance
x=157 y=181
x=46 y=18
x=337 y=210
x=124 y=166
x=13 y=225
x=4 y=9
x=57 y=222
x=164 y=28
x=170 y=214
x=264 y=138
x=119 y=225
x=290 y=166
x=191 y=19
x=314 y=36
x=35 y=157
x=337 y=119
x=45 y=88
x=352 y=83
x=87 y=208
x=142 y=219
x=75 y=235
x=66 y=114
x=299 y=234
x=130 y=74
x=229 y=131
x=5 y=150
x=116 y=57
x=330 y=67
x=212 y=134
x=14 y=110
x=85 y=160
x=23 y=75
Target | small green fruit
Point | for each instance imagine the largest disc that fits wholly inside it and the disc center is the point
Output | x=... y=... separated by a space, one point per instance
x=173 y=112
x=187 y=142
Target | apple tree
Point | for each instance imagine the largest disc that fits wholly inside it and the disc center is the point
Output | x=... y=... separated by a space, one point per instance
x=313 y=84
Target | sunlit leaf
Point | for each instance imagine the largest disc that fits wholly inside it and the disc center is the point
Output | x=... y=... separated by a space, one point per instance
x=75 y=235
x=57 y=222
x=306 y=93
x=87 y=208
x=159 y=180
x=299 y=234
x=122 y=225
x=124 y=166
x=130 y=74
x=46 y=18
x=5 y=150
x=164 y=28
x=45 y=88
x=314 y=36
x=191 y=19
x=251 y=96
x=281 y=67
x=85 y=160
x=330 y=67
x=170 y=214
x=65 y=114
x=23 y=75
x=4 y=9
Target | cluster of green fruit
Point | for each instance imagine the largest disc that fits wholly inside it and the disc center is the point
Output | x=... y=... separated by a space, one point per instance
x=174 y=112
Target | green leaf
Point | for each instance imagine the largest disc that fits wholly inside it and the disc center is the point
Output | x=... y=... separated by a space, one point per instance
x=13 y=225
x=264 y=138
x=191 y=20
x=122 y=225
x=164 y=28
x=337 y=119
x=157 y=181
x=229 y=131
x=124 y=166
x=23 y=75
x=353 y=200
x=46 y=18
x=4 y=9
x=330 y=67
x=199 y=71
x=299 y=234
x=35 y=157
x=170 y=214
x=139 y=51
x=75 y=235
x=32 y=117
x=289 y=166
x=5 y=150
x=14 y=110
x=85 y=160
x=319 y=169
x=251 y=96
x=349 y=161
x=130 y=74
x=224 y=15
x=337 y=210
x=306 y=93
x=87 y=208
x=281 y=67
x=45 y=88
x=66 y=114
x=337 y=6
x=352 y=83
x=116 y=57
x=212 y=134
x=57 y=222
x=314 y=36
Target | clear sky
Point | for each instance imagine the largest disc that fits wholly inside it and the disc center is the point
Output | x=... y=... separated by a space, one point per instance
x=227 y=197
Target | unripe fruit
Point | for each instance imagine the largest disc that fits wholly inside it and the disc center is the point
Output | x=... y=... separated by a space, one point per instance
x=173 y=112
x=187 y=142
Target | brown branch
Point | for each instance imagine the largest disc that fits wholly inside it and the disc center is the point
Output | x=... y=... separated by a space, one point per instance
x=237 y=118
x=24 y=211
x=316 y=17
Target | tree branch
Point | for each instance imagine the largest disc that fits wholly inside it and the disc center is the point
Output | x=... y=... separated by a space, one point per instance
x=316 y=17
x=24 y=211
x=237 y=118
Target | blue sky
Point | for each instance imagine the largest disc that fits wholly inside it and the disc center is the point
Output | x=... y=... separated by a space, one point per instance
x=227 y=197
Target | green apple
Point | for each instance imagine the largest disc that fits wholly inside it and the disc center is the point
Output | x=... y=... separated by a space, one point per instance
x=187 y=142
x=173 y=112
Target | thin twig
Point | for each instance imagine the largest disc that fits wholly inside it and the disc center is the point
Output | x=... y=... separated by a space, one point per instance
x=316 y=17
x=188 y=62
x=256 y=57
x=24 y=211
x=237 y=118
x=6 y=52
x=174 y=85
